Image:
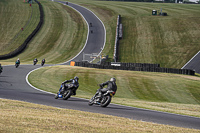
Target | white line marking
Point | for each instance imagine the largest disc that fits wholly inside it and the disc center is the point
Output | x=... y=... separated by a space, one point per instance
x=190 y=60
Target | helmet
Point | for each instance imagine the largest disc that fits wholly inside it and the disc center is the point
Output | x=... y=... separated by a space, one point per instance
x=76 y=78
x=113 y=79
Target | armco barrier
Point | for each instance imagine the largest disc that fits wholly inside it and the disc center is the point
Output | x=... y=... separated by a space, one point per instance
x=28 y=39
x=115 y=55
x=136 y=67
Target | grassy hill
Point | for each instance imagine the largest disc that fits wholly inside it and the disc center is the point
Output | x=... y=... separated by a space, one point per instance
x=61 y=37
x=167 y=40
x=15 y=15
x=170 y=41
x=165 y=92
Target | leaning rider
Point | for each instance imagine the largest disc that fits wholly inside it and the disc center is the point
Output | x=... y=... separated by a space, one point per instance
x=35 y=60
x=74 y=82
x=18 y=61
x=111 y=85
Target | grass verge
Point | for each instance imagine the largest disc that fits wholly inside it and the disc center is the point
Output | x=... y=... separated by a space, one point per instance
x=17 y=116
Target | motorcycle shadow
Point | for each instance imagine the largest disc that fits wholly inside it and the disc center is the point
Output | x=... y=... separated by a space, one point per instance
x=115 y=107
x=74 y=99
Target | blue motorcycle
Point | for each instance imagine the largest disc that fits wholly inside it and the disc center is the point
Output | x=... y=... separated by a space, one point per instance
x=65 y=91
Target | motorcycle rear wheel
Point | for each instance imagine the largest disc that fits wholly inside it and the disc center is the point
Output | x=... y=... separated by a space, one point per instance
x=105 y=101
x=67 y=94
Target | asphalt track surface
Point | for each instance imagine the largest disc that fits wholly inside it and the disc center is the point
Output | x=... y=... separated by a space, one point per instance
x=96 y=34
x=194 y=63
x=13 y=85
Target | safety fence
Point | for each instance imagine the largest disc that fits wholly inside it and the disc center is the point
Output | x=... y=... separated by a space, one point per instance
x=117 y=37
x=135 y=67
x=28 y=39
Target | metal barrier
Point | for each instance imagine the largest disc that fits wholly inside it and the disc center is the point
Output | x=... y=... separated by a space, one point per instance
x=135 y=67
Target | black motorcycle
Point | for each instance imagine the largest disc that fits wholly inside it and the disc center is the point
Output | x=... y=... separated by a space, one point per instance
x=65 y=92
x=104 y=100
x=0 y=71
x=42 y=63
x=35 y=62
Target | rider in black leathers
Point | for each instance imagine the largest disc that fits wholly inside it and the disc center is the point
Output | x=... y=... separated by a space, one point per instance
x=35 y=61
x=111 y=85
x=43 y=61
x=74 y=82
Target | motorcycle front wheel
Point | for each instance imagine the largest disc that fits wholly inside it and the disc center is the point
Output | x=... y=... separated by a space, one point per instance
x=67 y=94
x=105 y=101
x=91 y=101
x=56 y=96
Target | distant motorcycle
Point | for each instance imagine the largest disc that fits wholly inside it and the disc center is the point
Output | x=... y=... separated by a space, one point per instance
x=42 y=63
x=0 y=71
x=35 y=61
x=17 y=64
x=65 y=92
x=104 y=100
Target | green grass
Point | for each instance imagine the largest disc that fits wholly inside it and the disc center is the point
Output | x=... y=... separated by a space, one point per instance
x=29 y=118
x=164 y=92
x=14 y=15
x=170 y=41
x=61 y=37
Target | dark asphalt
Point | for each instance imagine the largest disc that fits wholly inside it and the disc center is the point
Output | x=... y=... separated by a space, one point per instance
x=193 y=64
x=13 y=85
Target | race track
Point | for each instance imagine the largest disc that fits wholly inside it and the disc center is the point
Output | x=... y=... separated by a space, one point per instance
x=96 y=34
x=13 y=85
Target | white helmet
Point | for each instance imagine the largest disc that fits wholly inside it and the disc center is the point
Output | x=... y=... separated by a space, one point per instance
x=113 y=80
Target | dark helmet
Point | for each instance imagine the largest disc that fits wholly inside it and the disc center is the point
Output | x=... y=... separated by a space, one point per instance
x=76 y=78
x=113 y=80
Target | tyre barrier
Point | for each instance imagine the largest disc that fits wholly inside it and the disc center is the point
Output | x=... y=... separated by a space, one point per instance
x=136 y=67
x=28 y=39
